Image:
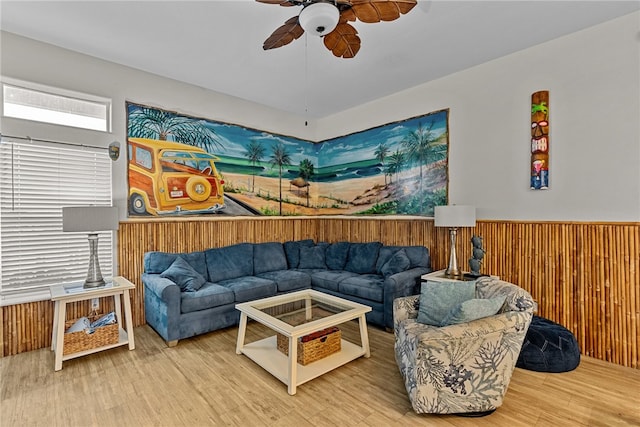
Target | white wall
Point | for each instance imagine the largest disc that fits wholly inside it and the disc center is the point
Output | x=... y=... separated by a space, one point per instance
x=594 y=81
x=593 y=77
x=29 y=60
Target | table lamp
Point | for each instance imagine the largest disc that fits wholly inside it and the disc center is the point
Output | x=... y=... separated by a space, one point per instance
x=91 y=219
x=454 y=216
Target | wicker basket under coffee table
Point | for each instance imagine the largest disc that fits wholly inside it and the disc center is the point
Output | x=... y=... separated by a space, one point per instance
x=315 y=346
x=302 y=314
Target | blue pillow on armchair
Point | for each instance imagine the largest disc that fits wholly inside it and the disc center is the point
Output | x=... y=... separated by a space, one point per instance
x=473 y=309
x=438 y=298
x=183 y=275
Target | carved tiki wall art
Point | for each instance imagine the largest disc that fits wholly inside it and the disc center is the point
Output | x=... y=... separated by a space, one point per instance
x=540 y=140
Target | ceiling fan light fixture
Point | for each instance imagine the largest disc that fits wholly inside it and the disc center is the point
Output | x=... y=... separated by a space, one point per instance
x=319 y=18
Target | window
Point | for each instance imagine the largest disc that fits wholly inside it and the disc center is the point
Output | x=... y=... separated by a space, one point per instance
x=36 y=181
x=143 y=158
x=30 y=101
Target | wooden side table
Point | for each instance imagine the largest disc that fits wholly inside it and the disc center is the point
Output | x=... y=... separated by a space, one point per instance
x=439 y=276
x=67 y=293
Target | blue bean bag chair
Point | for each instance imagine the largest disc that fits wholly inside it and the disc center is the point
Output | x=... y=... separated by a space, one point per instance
x=548 y=347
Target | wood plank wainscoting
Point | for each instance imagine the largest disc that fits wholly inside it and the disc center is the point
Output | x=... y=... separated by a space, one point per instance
x=584 y=275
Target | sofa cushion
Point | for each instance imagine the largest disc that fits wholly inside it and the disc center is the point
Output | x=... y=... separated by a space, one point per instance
x=473 y=309
x=366 y=286
x=362 y=257
x=268 y=257
x=329 y=279
x=208 y=296
x=438 y=298
x=292 y=251
x=229 y=262
x=157 y=262
x=183 y=275
x=312 y=257
x=336 y=255
x=249 y=288
x=288 y=280
x=397 y=262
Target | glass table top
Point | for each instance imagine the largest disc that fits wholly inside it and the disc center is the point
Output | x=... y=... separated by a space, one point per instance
x=303 y=310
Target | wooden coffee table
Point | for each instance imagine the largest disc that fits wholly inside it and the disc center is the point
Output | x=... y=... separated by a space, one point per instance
x=295 y=315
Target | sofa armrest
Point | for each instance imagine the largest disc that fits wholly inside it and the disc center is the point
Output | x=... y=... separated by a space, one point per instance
x=516 y=298
x=162 y=305
x=399 y=285
x=163 y=288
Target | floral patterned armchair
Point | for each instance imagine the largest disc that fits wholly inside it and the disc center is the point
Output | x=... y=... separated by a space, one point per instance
x=462 y=368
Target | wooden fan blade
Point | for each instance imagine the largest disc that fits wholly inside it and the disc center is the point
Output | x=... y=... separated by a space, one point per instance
x=343 y=41
x=285 y=3
x=285 y=34
x=371 y=11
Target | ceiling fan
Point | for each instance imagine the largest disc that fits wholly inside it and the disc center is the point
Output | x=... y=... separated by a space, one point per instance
x=330 y=19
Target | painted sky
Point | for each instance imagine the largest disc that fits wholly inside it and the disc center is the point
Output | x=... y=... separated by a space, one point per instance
x=236 y=138
x=350 y=148
x=362 y=145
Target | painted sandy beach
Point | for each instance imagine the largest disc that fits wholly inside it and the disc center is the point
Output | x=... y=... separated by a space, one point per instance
x=349 y=196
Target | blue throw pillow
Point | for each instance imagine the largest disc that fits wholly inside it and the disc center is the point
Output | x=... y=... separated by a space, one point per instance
x=438 y=298
x=229 y=262
x=397 y=263
x=312 y=257
x=156 y=262
x=268 y=257
x=183 y=275
x=336 y=255
x=473 y=309
x=292 y=251
x=362 y=257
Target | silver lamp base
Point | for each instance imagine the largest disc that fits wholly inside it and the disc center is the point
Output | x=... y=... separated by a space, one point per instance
x=453 y=270
x=94 y=275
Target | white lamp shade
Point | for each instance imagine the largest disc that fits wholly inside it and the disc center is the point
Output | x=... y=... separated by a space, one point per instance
x=319 y=18
x=89 y=218
x=455 y=216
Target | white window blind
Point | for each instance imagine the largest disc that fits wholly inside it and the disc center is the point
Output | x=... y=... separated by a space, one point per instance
x=37 y=180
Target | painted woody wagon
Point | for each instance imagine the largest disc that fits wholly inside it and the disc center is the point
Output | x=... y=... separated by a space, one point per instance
x=168 y=178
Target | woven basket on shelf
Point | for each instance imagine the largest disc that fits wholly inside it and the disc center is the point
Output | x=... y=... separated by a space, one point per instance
x=314 y=346
x=75 y=342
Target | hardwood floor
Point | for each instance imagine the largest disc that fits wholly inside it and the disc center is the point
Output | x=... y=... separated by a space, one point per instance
x=203 y=382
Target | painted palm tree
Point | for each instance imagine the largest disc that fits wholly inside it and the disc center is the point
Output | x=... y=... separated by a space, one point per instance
x=280 y=157
x=145 y=122
x=396 y=163
x=254 y=152
x=306 y=172
x=381 y=154
x=420 y=146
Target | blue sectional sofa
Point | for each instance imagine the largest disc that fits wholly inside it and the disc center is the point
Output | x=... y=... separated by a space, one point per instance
x=193 y=293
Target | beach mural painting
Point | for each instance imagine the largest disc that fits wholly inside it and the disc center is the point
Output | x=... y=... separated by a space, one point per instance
x=540 y=140
x=178 y=164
